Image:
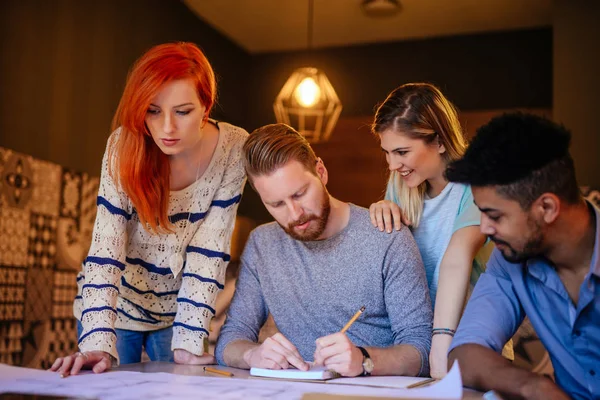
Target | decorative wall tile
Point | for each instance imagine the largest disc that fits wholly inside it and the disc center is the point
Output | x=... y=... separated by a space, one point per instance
x=65 y=290
x=12 y=276
x=46 y=222
x=71 y=247
x=71 y=194
x=17 y=177
x=10 y=343
x=11 y=312
x=62 y=340
x=42 y=241
x=38 y=292
x=46 y=187
x=14 y=235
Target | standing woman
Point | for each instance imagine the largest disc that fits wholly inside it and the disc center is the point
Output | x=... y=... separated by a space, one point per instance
x=420 y=134
x=171 y=183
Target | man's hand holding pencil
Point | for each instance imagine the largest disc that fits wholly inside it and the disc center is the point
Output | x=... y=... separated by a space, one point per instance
x=338 y=353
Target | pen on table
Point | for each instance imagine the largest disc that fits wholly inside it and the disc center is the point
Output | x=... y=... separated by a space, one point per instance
x=422 y=383
x=217 y=371
x=354 y=318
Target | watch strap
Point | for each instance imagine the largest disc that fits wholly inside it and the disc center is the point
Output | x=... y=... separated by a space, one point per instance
x=366 y=355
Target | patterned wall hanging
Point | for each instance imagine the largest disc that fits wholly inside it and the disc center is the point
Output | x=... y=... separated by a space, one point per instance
x=46 y=218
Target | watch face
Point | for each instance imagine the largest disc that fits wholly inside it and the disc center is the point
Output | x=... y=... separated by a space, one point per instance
x=368 y=365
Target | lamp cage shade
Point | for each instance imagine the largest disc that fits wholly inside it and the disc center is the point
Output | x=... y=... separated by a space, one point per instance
x=308 y=103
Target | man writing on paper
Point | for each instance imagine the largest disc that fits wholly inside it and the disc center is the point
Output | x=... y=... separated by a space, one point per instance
x=314 y=268
x=546 y=264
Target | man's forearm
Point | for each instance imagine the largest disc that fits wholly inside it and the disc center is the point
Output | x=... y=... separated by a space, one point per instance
x=484 y=369
x=402 y=359
x=233 y=355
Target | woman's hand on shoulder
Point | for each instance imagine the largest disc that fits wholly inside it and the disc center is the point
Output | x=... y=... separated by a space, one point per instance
x=387 y=215
x=182 y=356
x=98 y=361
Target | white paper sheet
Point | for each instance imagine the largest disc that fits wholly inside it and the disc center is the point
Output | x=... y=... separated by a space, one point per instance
x=314 y=373
x=399 y=382
x=123 y=385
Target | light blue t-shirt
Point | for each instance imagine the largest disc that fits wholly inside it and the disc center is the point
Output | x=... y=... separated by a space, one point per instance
x=443 y=215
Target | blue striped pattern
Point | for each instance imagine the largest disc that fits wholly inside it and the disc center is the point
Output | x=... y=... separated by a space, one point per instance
x=192 y=217
x=101 y=201
x=208 y=253
x=226 y=203
x=103 y=286
x=192 y=302
x=148 y=266
x=96 y=309
x=195 y=217
x=147 y=312
x=153 y=321
x=105 y=261
x=191 y=328
x=80 y=278
x=203 y=279
x=110 y=330
x=126 y=284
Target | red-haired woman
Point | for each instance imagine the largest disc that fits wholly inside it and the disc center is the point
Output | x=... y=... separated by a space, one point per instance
x=171 y=183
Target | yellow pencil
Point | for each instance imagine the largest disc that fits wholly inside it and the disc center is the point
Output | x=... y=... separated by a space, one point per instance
x=422 y=383
x=354 y=318
x=217 y=371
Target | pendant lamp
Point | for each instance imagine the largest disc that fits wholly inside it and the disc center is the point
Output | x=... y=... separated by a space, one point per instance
x=307 y=100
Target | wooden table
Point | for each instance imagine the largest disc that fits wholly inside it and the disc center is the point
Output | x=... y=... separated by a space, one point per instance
x=197 y=370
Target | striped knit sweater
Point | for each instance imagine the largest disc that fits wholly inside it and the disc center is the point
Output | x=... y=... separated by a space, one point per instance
x=126 y=281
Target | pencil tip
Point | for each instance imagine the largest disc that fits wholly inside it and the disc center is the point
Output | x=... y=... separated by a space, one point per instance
x=362 y=308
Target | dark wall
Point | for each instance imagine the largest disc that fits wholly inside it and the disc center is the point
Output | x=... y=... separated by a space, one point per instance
x=577 y=82
x=477 y=72
x=64 y=64
x=487 y=71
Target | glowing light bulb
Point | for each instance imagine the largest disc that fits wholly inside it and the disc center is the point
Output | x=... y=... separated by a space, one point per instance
x=308 y=92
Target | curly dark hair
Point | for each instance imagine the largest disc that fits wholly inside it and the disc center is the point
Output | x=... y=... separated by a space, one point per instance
x=524 y=155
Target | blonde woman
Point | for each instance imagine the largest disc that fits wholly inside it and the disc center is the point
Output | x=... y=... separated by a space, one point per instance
x=420 y=134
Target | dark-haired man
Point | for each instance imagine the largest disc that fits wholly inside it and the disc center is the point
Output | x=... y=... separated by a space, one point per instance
x=546 y=264
x=314 y=268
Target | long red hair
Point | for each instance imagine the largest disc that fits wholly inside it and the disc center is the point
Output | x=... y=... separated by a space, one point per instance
x=143 y=170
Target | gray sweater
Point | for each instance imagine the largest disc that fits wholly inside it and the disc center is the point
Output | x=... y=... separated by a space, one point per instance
x=313 y=288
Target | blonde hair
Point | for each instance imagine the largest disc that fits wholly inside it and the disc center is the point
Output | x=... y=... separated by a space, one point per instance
x=272 y=146
x=419 y=111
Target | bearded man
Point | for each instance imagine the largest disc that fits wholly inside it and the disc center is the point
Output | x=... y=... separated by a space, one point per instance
x=314 y=267
x=546 y=264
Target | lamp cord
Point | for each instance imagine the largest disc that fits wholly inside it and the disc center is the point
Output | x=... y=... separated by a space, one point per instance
x=309 y=28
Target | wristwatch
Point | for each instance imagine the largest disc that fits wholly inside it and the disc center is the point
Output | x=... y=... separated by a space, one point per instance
x=367 y=362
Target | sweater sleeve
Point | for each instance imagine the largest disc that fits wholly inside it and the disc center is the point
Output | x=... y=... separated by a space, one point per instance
x=207 y=256
x=104 y=265
x=407 y=296
x=248 y=311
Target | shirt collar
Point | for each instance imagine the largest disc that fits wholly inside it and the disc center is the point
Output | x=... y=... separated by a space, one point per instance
x=595 y=267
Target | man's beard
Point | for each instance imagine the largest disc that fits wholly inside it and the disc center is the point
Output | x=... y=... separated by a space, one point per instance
x=318 y=226
x=533 y=247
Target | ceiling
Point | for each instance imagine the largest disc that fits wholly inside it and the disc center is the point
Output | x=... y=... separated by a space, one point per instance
x=261 y=26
